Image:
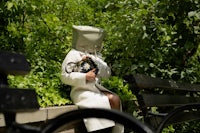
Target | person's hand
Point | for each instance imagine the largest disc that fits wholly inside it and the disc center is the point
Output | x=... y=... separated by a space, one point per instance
x=90 y=76
x=85 y=57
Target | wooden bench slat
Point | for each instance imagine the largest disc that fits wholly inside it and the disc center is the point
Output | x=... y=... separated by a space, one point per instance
x=18 y=100
x=151 y=100
x=147 y=82
x=13 y=63
x=180 y=117
x=185 y=116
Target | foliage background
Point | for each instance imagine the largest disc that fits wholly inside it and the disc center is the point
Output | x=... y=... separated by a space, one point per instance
x=159 y=38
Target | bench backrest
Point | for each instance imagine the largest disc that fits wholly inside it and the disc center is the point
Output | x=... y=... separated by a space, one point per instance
x=14 y=99
x=164 y=94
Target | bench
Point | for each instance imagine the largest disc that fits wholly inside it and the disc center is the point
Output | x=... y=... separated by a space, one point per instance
x=177 y=101
x=13 y=100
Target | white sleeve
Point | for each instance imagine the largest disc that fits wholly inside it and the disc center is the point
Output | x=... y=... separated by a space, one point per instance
x=72 y=78
x=104 y=69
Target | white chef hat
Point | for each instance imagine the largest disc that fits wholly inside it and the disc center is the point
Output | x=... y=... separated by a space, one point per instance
x=87 y=38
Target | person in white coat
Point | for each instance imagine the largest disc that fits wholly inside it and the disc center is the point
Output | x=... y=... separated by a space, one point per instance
x=82 y=69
